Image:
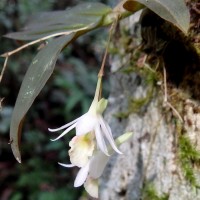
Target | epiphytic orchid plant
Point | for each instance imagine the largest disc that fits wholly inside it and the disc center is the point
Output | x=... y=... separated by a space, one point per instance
x=63 y=27
x=88 y=147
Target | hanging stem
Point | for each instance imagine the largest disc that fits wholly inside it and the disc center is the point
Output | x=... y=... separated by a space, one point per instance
x=112 y=28
x=4 y=67
x=101 y=71
x=10 y=53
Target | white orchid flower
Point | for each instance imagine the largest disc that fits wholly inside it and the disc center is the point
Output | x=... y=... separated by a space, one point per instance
x=90 y=161
x=92 y=121
x=93 y=169
x=82 y=148
x=89 y=174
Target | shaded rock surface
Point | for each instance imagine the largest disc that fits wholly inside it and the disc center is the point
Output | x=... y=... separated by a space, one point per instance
x=150 y=168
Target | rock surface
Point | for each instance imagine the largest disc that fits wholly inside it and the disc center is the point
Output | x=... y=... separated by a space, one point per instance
x=150 y=168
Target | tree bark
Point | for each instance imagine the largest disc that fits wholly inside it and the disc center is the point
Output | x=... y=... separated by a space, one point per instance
x=161 y=160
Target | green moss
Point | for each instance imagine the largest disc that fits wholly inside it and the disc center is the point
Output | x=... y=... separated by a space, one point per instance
x=135 y=105
x=196 y=46
x=149 y=193
x=151 y=77
x=188 y=157
x=128 y=70
x=122 y=115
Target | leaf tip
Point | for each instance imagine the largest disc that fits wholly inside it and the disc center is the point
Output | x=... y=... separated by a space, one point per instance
x=18 y=159
x=16 y=152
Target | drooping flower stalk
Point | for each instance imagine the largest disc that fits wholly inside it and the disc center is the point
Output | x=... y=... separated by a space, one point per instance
x=88 y=149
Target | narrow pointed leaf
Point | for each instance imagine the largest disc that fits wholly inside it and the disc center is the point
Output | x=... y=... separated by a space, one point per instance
x=86 y=15
x=174 y=11
x=36 y=76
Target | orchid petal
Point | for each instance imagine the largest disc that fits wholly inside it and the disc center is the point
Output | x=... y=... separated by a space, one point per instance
x=66 y=165
x=86 y=124
x=82 y=175
x=65 y=126
x=91 y=186
x=65 y=132
x=97 y=164
x=100 y=140
x=108 y=133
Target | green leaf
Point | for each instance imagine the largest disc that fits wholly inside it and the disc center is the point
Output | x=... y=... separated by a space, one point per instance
x=81 y=17
x=132 y=6
x=174 y=11
x=36 y=76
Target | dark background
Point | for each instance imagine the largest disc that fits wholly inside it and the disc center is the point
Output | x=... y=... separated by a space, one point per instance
x=67 y=95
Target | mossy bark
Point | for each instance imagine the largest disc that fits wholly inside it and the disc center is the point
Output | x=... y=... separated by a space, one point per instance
x=162 y=159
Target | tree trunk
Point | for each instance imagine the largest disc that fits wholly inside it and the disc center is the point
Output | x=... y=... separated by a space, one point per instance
x=161 y=160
